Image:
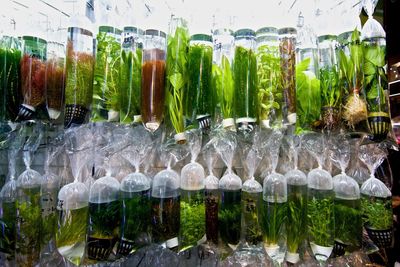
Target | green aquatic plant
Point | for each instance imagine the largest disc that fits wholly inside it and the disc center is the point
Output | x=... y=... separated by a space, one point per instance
x=252 y=217
x=377 y=213
x=348 y=223
x=297 y=217
x=177 y=75
x=229 y=216
x=273 y=221
x=223 y=84
x=8 y=226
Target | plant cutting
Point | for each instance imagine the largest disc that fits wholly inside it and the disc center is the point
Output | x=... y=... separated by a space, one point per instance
x=55 y=81
x=376 y=203
x=245 y=80
x=308 y=96
x=10 y=57
x=270 y=95
x=351 y=73
x=79 y=77
x=198 y=96
x=177 y=75
x=130 y=81
x=106 y=87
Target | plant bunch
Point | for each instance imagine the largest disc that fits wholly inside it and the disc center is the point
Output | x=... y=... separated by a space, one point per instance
x=288 y=64
x=177 y=75
x=297 y=217
x=377 y=213
x=274 y=220
x=104 y=219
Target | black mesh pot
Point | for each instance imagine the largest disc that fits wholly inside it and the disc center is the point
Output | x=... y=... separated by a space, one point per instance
x=25 y=113
x=339 y=249
x=204 y=122
x=379 y=126
x=99 y=249
x=125 y=247
x=74 y=114
x=381 y=238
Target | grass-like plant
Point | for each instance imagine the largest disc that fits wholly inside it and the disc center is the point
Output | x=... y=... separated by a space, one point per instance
x=377 y=213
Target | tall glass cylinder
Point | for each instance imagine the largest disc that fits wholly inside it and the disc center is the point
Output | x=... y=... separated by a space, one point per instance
x=79 y=76
x=131 y=75
x=270 y=95
x=55 y=80
x=199 y=94
x=153 y=79
x=33 y=76
x=287 y=49
x=105 y=106
x=245 y=76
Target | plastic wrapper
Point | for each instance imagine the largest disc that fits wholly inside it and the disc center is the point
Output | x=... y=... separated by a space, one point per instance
x=106 y=86
x=55 y=81
x=348 y=222
x=165 y=204
x=193 y=214
x=230 y=187
x=308 y=94
x=153 y=79
x=245 y=80
x=269 y=78
x=28 y=202
x=10 y=57
x=376 y=199
x=177 y=74
x=131 y=75
x=320 y=206
x=8 y=199
x=48 y=202
x=200 y=98
x=297 y=206
x=211 y=194
x=222 y=76
x=373 y=38
x=135 y=197
x=79 y=69
x=274 y=207
x=73 y=198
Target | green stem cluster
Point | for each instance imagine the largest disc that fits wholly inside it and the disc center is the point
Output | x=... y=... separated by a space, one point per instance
x=297 y=217
x=274 y=222
x=223 y=84
x=252 y=217
x=229 y=216
x=377 y=212
x=348 y=223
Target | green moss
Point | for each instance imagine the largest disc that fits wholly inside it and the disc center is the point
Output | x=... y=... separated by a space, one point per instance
x=193 y=218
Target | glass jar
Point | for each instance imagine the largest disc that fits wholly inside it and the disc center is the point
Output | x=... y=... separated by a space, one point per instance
x=153 y=79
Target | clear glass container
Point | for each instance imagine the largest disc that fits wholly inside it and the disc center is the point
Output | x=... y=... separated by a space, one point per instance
x=245 y=79
x=153 y=79
x=270 y=95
